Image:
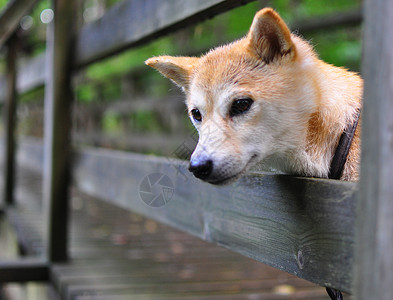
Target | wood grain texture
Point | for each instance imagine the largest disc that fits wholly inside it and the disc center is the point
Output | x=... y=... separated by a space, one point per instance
x=131 y=23
x=303 y=226
x=117 y=253
x=374 y=262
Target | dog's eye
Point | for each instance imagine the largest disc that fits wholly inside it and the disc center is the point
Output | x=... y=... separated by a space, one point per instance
x=196 y=114
x=240 y=106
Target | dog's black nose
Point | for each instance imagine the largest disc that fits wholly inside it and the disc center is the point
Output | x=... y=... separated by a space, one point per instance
x=201 y=169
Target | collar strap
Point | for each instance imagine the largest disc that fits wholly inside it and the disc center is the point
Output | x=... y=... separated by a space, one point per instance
x=342 y=150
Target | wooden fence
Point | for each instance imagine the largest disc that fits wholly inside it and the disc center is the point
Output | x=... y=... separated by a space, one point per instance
x=305 y=226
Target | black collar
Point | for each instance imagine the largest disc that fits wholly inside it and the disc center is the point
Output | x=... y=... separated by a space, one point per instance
x=342 y=150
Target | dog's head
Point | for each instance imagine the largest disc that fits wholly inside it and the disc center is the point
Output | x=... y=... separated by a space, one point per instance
x=244 y=98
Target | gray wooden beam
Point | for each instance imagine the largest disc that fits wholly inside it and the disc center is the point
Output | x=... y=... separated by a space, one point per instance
x=23 y=270
x=299 y=225
x=11 y=16
x=131 y=23
x=9 y=126
x=304 y=226
x=374 y=243
x=58 y=102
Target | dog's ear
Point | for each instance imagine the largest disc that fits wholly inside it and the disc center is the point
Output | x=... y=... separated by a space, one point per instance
x=269 y=37
x=178 y=69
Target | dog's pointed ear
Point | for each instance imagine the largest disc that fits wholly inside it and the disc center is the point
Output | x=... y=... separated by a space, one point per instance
x=178 y=69
x=269 y=37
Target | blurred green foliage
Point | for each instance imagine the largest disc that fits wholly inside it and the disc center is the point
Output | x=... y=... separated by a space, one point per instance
x=3 y=3
x=105 y=81
x=341 y=47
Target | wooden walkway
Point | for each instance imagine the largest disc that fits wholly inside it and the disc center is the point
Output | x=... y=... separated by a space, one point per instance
x=119 y=255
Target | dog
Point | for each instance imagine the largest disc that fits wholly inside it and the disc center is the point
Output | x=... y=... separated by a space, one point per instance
x=266 y=101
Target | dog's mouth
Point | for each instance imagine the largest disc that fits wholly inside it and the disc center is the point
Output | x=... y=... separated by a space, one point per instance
x=233 y=178
x=226 y=180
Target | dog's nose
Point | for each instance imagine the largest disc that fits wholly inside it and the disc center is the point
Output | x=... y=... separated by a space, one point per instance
x=201 y=168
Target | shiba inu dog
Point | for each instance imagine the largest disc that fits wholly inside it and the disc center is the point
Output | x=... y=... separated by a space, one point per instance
x=266 y=100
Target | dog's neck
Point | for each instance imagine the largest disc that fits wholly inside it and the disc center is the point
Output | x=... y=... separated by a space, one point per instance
x=337 y=109
x=337 y=102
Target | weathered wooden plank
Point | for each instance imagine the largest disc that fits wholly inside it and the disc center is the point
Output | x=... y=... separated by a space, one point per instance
x=135 y=279
x=174 y=264
x=132 y=23
x=58 y=100
x=374 y=262
x=23 y=270
x=11 y=16
x=181 y=272
x=207 y=289
x=10 y=118
x=303 y=226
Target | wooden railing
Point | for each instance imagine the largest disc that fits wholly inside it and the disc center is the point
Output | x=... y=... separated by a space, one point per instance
x=304 y=226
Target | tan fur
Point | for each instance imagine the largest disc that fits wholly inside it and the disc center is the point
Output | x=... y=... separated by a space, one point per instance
x=301 y=104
